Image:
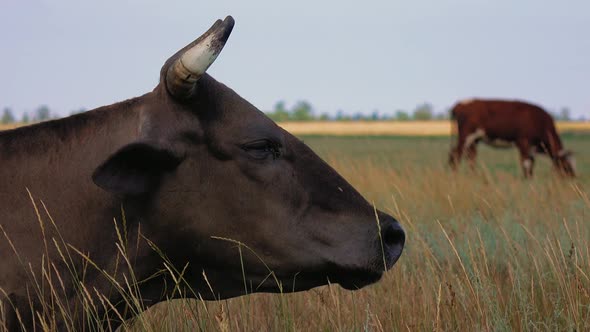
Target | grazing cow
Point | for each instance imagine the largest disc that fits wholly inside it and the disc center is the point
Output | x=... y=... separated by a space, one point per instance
x=501 y=123
x=234 y=203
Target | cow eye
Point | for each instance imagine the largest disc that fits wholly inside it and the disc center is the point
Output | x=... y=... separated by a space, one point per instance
x=263 y=149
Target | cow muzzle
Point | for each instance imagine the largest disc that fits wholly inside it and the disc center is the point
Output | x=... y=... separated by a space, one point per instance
x=390 y=244
x=392 y=238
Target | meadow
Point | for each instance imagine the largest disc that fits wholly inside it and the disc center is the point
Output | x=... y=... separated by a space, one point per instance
x=486 y=250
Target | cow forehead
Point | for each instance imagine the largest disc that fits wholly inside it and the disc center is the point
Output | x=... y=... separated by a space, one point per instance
x=242 y=121
x=216 y=112
x=229 y=113
x=250 y=128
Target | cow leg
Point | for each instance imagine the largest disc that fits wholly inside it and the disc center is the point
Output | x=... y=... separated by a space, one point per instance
x=527 y=158
x=457 y=152
x=467 y=144
x=527 y=166
x=472 y=154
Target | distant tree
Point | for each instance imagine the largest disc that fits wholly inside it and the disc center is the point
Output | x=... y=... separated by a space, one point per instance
x=78 y=111
x=42 y=114
x=374 y=115
x=423 y=112
x=324 y=117
x=280 y=107
x=279 y=112
x=358 y=116
x=442 y=116
x=564 y=114
x=7 y=116
x=402 y=115
x=302 y=111
x=386 y=116
x=25 y=119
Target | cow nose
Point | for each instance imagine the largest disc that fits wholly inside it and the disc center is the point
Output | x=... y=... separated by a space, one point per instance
x=394 y=238
x=394 y=234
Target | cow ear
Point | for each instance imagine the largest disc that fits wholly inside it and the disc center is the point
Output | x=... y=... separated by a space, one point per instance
x=135 y=169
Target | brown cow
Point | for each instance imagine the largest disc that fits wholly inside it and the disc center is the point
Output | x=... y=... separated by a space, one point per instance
x=500 y=123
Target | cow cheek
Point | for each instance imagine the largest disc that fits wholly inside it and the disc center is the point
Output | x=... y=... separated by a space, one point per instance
x=265 y=213
x=270 y=221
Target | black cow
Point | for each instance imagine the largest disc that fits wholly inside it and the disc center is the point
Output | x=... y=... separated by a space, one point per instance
x=198 y=173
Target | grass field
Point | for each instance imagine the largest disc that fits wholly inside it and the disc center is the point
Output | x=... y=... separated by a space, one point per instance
x=485 y=251
x=8 y=126
x=403 y=128
x=381 y=128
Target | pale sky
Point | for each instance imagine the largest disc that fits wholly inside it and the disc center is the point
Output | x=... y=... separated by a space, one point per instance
x=354 y=56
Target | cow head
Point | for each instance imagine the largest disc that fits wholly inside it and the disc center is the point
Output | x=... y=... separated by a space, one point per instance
x=566 y=163
x=221 y=187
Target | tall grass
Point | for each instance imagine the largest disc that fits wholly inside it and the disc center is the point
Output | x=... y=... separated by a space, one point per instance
x=485 y=250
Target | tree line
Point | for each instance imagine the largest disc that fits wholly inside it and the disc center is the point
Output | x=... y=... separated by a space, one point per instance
x=300 y=111
x=304 y=111
x=41 y=113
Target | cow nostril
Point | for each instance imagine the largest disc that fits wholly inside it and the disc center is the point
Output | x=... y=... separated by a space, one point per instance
x=393 y=234
x=393 y=240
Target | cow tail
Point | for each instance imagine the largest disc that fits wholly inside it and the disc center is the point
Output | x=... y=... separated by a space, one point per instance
x=555 y=144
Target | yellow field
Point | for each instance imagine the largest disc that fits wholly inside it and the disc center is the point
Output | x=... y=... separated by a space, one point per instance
x=398 y=128
x=10 y=126
x=383 y=128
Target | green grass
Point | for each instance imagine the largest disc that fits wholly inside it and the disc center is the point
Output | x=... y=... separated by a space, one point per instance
x=401 y=152
x=486 y=249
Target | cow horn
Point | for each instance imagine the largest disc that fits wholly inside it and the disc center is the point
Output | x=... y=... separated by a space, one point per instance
x=194 y=59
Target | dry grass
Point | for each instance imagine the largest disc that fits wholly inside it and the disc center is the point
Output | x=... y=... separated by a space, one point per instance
x=384 y=128
x=485 y=250
x=364 y=128
x=8 y=126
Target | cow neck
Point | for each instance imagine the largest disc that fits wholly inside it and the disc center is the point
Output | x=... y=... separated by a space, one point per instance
x=97 y=132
